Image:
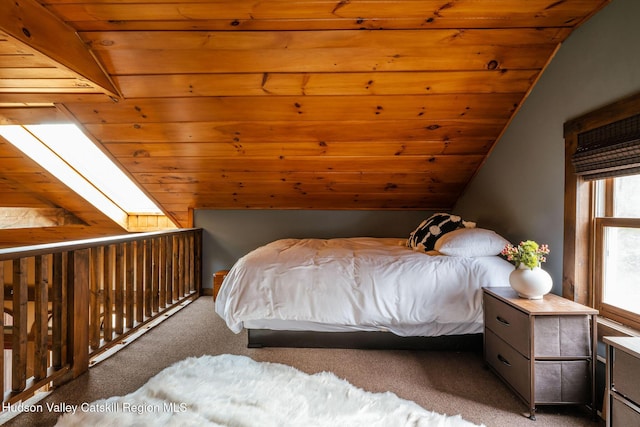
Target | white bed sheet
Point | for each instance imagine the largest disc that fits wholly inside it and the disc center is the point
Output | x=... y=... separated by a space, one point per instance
x=361 y=283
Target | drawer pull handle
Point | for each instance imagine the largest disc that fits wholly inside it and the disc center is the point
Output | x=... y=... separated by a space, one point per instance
x=503 y=360
x=503 y=321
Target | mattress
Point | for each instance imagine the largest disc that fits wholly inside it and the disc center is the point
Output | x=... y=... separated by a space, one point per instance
x=357 y=284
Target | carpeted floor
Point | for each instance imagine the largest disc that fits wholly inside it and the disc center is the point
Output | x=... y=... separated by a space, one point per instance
x=445 y=382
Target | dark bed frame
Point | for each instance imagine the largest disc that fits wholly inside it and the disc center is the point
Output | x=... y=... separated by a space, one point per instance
x=259 y=338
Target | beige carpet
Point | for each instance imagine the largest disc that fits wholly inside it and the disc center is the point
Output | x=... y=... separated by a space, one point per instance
x=444 y=382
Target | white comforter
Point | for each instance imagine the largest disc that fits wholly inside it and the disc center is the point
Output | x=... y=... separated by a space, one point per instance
x=358 y=284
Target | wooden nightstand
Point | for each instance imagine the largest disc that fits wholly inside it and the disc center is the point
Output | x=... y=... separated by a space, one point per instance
x=218 y=278
x=623 y=381
x=543 y=349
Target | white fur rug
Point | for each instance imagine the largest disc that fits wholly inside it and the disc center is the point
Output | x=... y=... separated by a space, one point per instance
x=232 y=390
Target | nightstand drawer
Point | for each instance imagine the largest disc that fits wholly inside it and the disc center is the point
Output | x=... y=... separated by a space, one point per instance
x=562 y=336
x=562 y=381
x=508 y=323
x=509 y=364
x=626 y=375
x=623 y=414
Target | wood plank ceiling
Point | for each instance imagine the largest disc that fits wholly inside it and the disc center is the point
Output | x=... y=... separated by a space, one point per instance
x=309 y=104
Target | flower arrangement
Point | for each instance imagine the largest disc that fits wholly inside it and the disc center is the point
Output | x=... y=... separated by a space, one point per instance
x=528 y=253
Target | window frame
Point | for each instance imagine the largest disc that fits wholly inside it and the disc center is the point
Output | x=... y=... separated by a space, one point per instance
x=579 y=252
x=606 y=310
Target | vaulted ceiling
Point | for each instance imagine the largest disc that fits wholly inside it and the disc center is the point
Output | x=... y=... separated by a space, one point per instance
x=238 y=104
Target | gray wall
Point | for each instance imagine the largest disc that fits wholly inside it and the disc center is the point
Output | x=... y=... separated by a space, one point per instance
x=230 y=234
x=520 y=190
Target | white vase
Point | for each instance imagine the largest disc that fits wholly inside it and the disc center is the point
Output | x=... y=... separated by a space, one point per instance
x=530 y=283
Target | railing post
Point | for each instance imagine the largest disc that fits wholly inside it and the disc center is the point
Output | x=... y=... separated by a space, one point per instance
x=163 y=266
x=189 y=285
x=129 y=294
x=175 y=262
x=151 y=277
x=96 y=265
x=19 y=330
x=2 y=328
x=79 y=313
x=119 y=289
x=197 y=258
x=40 y=328
x=57 y=333
x=139 y=279
x=156 y=275
x=181 y=267
x=107 y=334
x=168 y=268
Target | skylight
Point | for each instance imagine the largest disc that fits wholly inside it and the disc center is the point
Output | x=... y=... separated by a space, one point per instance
x=75 y=160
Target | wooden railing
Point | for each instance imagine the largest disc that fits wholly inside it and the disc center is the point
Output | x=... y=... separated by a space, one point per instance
x=65 y=303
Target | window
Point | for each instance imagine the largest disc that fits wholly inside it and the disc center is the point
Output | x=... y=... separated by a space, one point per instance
x=75 y=160
x=616 y=243
x=601 y=257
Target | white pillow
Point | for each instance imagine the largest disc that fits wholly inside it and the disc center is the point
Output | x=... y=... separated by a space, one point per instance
x=471 y=242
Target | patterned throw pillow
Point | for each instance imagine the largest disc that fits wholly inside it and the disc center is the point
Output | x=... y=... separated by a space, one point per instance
x=424 y=237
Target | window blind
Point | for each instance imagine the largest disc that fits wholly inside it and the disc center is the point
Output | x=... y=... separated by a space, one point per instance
x=609 y=151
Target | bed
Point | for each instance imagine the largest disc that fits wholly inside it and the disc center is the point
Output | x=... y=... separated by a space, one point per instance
x=336 y=292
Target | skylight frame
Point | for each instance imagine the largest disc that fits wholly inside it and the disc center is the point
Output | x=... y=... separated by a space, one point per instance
x=58 y=149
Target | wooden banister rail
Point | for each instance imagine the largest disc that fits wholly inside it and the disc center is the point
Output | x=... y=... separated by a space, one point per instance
x=65 y=303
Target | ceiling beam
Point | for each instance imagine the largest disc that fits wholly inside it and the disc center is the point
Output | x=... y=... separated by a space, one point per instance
x=30 y=23
x=36 y=217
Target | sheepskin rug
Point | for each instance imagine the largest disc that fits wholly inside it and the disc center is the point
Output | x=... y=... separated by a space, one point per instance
x=231 y=390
